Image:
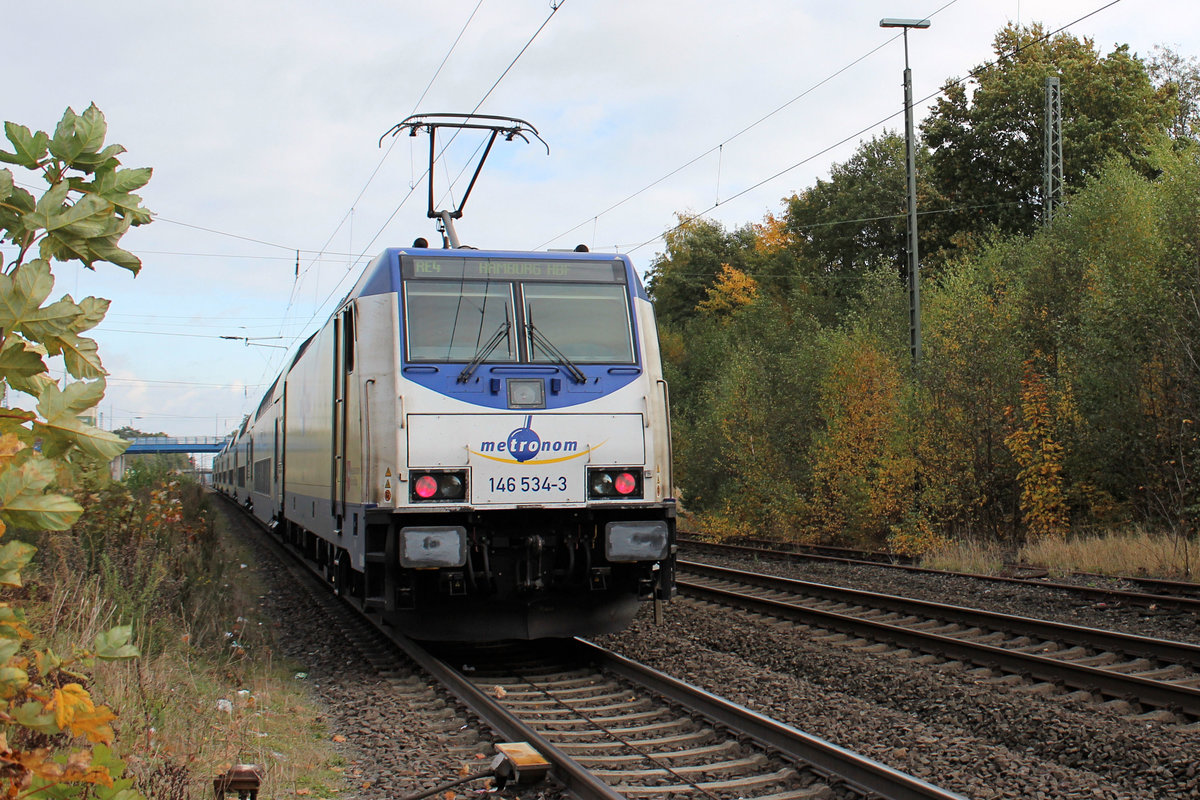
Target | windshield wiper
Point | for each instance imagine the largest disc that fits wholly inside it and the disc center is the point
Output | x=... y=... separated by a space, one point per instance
x=486 y=350
x=559 y=357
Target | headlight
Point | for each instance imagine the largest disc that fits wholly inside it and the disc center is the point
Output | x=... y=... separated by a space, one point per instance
x=636 y=541
x=433 y=546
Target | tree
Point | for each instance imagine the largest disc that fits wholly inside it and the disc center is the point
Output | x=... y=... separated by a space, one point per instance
x=974 y=346
x=863 y=463
x=1181 y=76
x=986 y=133
x=698 y=250
x=1036 y=445
x=855 y=221
x=734 y=289
x=44 y=705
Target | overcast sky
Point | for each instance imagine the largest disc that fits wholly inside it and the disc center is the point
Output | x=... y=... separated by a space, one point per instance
x=262 y=121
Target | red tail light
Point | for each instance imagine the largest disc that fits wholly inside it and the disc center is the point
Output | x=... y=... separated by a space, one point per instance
x=426 y=487
x=438 y=485
x=614 y=483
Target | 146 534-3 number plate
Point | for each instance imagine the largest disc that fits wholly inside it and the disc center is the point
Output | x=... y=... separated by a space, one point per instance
x=528 y=484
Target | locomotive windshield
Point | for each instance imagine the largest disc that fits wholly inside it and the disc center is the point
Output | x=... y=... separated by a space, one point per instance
x=452 y=321
x=586 y=322
x=577 y=310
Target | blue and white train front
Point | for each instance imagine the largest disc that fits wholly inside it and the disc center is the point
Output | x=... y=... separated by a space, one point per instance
x=531 y=494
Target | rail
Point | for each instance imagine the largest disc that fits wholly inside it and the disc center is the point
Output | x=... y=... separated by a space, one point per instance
x=857 y=614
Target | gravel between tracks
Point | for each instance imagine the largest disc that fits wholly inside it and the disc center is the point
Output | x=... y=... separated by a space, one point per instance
x=396 y=738
x=948 y=725
x=940 y=723
x=1023 y=600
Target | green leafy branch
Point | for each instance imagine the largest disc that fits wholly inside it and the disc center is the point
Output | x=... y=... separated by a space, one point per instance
x=45 y=709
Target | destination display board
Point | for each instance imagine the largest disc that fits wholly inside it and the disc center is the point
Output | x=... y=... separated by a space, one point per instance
x=512 y=269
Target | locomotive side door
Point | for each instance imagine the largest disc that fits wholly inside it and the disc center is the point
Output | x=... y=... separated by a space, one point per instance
x=343 y=365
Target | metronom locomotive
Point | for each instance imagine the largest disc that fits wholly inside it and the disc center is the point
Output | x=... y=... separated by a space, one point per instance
x=476 y=445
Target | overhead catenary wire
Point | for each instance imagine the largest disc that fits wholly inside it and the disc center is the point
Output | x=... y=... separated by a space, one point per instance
x=595 y=218
x=719 y=147
x=693 y=217
x=354 y=262
x=358 y=256
x=386 y=153
x=478 y=105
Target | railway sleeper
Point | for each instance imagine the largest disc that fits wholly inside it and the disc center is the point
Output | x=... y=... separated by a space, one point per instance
x=1137 y=665
x=674 y=755
x=578 y=704
x=735 y=765
x=604 y=722
x=550 y=709
x=588 y=692
x=633 y=730
x=739 y=784
x=695 y=736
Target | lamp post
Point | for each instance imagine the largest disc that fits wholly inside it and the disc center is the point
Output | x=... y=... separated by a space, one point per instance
x=910 y=149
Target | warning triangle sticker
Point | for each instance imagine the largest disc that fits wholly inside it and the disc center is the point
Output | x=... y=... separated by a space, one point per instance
x=388 y=474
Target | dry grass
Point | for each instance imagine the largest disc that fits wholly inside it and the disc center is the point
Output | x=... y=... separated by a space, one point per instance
x=197 y=702
x=1129 y=552
x=986 y=558
x=1133 y=552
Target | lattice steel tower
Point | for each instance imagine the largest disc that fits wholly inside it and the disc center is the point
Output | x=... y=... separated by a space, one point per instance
x=1052 y=161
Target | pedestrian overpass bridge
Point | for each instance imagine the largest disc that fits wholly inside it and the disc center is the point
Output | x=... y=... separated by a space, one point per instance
x=147 y=445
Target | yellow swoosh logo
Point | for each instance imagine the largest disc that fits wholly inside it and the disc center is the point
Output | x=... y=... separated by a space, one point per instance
x=538 y=460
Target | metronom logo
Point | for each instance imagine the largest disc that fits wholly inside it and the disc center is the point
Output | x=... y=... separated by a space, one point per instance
x=523 y=444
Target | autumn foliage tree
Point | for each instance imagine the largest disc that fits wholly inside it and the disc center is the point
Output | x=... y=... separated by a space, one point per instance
x=1036 y=446
x=863 y=465
x=54 y=738
x=1060 y=381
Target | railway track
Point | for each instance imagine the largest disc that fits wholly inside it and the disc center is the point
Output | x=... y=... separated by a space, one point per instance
x=1156 y=677
x=1159 y=593
x=649 y=735
x=612 y=728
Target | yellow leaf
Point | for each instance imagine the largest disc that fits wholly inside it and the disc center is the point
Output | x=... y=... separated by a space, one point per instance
x=94 y=725
x=10 y=445
x=81 y=770
x=74 y=711
x=31 y=760
x=67 y=702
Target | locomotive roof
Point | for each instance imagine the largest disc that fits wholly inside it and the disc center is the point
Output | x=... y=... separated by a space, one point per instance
x=382 y=275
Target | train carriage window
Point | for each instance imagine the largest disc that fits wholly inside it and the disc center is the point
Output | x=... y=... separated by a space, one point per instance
x=348 y=339
x=587 y=322
x=451 y=321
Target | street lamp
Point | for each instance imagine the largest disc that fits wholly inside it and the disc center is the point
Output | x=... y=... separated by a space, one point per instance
x=914 y=262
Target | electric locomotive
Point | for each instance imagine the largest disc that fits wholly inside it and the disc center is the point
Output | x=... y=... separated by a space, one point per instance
x=476 y=445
